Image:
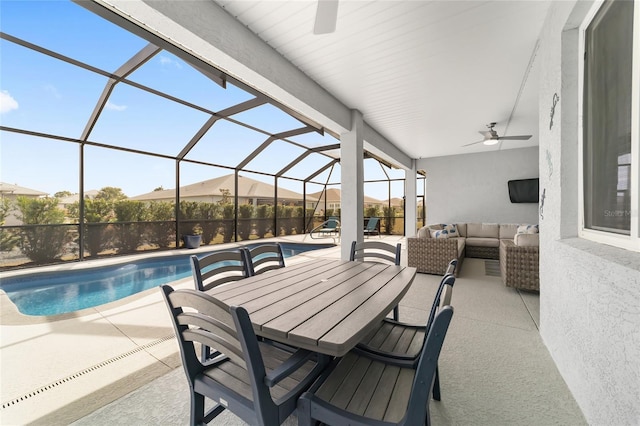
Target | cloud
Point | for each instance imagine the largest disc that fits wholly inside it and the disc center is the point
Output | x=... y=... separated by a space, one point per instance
x=50 y=88
x=167 y=61
x=7 y=103
x=115 y=107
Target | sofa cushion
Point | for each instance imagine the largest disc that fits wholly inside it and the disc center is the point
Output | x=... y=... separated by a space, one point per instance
x=462 y=229
x=483 y=230
x=482 y=242
x=508 y=230
x=527 y=240
x=527 y=229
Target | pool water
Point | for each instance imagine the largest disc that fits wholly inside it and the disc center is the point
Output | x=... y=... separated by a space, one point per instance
x=52 y=293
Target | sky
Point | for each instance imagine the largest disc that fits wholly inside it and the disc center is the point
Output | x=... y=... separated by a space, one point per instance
x=42 y=94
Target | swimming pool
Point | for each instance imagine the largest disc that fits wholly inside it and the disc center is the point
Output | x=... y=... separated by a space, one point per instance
x=59 y=292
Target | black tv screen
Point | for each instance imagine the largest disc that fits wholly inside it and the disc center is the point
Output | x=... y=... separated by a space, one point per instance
x=523 y=190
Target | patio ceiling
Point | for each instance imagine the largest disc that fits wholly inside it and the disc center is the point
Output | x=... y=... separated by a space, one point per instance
x=427 y=75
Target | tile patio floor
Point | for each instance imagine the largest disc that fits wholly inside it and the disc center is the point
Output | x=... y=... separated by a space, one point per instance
x=118 y=363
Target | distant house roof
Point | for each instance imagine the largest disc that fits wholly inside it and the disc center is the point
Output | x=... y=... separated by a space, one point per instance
x=395 y=202
x=75 y=197
x=10 y=189
x=334 y=196
x=247 y=187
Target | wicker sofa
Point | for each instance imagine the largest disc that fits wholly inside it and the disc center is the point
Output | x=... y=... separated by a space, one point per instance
x=519 y=262
x=430 y=251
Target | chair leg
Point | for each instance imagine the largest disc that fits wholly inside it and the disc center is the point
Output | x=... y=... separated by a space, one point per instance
x=206 y=354
x=197 y=409
x=303 y=412
x=436 y=386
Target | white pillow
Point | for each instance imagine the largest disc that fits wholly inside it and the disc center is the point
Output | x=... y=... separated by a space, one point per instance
x=439 y=233
x=527 y=229
x=451 y=229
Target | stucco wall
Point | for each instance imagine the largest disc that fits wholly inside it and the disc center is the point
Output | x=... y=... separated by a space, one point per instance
x=589 y=293
x=473 y=187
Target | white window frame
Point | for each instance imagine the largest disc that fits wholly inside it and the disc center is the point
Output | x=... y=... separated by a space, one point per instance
x=632 y=241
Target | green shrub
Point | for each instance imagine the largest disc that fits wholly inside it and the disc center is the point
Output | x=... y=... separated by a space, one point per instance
x=131 y=232
x=43 y=241
x=8 y=239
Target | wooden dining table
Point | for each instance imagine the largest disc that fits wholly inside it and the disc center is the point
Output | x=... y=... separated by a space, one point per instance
x=323 y=305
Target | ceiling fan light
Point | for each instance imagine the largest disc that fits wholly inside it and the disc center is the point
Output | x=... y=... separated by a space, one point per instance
x=490 y=142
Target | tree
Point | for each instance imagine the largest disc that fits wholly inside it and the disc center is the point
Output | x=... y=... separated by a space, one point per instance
x=44 y=242
x=111 y=194
x=62 y=194
x=160 y=188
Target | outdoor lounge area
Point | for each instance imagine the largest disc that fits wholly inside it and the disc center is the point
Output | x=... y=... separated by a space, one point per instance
x=137 y=133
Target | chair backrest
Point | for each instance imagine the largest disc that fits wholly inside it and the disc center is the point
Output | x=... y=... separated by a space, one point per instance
x=218 y=268
x=331 y=223
x=265 y=257
x=426 y=369
x=451 y=267
x=375 y=251
x=200 y=318
x=445 y=298
x=372 y=224
x=447 y=290
x=446 y=281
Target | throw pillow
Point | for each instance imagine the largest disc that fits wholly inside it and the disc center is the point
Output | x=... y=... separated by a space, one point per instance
x=439 y=233
x=452 y=230
x=527 y=229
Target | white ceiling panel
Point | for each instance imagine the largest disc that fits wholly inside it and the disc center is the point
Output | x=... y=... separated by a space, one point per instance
x=427 y=75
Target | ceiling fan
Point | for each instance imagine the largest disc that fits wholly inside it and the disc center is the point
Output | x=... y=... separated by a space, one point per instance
x=491 y=136
x=326 y=17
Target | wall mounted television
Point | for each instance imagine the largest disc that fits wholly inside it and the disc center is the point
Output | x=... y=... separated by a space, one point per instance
x=524 y=190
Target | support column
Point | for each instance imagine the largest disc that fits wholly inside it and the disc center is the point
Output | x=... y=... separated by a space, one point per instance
x=352 y=190
x=410 y=202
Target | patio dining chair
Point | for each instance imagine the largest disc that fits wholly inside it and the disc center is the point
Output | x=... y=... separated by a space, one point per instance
x=394 y=341
x=215 y=269
x=330 y=227
x=372 y=227
x=358 y=390
x=258 y=382
x=218 y=268
x=264 y=257
x=377 y=251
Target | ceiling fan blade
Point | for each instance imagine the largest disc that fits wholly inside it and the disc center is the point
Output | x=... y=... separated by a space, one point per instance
x=486 y=134
x=326 y=17
x=515 y=138
x=473 y=143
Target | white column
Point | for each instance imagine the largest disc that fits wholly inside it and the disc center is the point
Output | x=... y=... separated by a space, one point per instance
x=352 y=190
x=410 y=204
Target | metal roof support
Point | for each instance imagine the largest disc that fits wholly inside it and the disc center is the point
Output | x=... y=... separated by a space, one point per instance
x=136 y=61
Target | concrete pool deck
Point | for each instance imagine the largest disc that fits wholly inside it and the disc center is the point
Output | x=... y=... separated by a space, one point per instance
x=57 y=369
x=119 y=363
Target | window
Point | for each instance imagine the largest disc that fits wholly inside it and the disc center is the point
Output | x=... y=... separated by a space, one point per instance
x=610 y=109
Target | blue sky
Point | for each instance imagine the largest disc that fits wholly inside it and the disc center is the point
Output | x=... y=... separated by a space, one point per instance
x=42 y=94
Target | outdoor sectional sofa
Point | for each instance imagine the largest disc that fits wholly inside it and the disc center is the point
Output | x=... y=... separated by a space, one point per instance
x=515 y=245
